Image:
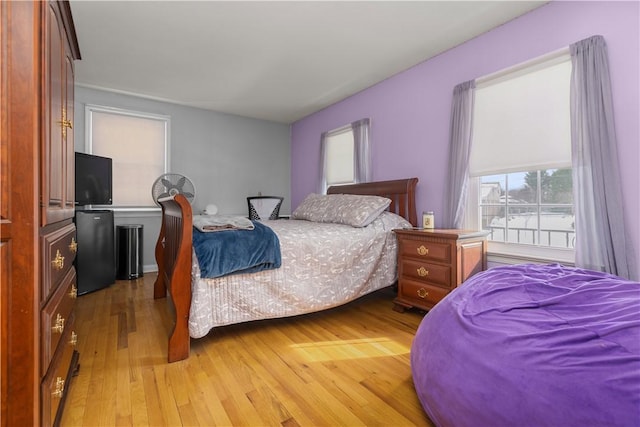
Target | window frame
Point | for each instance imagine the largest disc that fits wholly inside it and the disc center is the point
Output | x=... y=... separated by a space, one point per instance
x=92 y=108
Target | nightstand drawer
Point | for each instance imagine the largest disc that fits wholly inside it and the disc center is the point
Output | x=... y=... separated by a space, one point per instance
x=421 y=249
x=421 y=294
x=439 y=275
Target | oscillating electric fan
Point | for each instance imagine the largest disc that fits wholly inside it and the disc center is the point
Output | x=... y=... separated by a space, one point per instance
x=170 y=184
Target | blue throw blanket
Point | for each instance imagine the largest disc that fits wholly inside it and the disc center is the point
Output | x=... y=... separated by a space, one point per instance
x=236 y=251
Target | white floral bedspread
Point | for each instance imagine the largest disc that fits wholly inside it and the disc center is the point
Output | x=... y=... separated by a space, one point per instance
x=323 y=266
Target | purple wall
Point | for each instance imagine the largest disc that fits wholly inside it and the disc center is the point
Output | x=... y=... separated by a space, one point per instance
x=410 y=111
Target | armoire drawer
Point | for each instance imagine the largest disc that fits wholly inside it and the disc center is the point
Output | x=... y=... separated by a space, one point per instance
x=55 y=383
x=59 y=251
x=56 y=318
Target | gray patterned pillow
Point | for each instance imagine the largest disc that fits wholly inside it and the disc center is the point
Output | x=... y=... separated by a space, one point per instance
x=349 y=209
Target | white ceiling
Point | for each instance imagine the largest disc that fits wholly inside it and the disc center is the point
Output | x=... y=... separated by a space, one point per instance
x=278 y=61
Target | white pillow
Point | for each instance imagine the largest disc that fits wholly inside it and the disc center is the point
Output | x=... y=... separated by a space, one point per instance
x=350 y=209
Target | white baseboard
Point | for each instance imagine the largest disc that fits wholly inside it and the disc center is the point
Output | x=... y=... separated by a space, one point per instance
x=150 y=268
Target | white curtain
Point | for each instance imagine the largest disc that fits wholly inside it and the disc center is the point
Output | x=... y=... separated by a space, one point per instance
x=601 y=243
x=459 y=153
x=322 y=187
x=362 y=150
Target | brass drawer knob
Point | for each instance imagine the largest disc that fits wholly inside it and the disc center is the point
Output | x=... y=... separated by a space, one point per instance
x=59 y=388
x=422 y=293
x=73 y=246
x=73 y=293
x=74 y=339
x=58 y=261
x=58 y=327
x=422 y=272
x=422 y=250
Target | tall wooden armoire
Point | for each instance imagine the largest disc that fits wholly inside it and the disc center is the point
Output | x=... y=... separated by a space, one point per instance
x=37 y=234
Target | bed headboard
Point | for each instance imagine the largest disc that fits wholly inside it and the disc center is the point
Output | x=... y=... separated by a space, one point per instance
x=402 y=193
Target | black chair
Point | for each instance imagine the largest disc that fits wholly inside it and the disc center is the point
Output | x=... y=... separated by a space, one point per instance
x=264 y=207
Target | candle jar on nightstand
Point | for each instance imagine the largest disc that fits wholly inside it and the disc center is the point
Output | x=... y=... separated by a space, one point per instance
x=428 y=220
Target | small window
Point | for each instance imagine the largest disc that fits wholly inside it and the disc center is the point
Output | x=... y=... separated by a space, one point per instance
x=346 y=155
x=339 y=158
x=138 y=144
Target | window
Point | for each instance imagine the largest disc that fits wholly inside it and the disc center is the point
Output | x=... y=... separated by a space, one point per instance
x=138 y=144
x=339 y=157
x=520 y=164
x=345 y=155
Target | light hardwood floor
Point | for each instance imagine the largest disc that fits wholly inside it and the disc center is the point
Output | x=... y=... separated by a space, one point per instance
x=347 y=366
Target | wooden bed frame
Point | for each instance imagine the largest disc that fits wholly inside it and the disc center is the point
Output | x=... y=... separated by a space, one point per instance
x=174 y=248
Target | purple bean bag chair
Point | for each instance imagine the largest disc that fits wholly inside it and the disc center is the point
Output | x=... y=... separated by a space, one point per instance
x=532 y=345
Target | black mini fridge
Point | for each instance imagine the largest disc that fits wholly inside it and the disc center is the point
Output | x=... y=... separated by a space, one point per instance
x=95 y=259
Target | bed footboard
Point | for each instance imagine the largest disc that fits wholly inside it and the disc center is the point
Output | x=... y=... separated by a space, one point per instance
x=173 y=255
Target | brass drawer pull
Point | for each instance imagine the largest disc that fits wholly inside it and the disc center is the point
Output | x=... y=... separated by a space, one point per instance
x=422 y=293
x=422 y=250
x=422 y=272
x=73 y=246
x=59 y=325
x=74 y=339
x=59 y=388
x=65 y=123
x=73 y=293
x=58 y=262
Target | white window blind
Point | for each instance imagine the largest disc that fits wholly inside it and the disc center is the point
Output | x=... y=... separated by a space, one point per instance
x=138 y=145
x=340 y=158
x=522 y=121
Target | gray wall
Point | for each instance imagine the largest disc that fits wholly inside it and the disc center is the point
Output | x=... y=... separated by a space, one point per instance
x=227 y=157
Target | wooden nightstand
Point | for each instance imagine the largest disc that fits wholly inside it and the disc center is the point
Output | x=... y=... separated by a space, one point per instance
x=432 y=263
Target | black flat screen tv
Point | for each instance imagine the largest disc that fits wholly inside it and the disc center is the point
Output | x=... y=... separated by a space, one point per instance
x=93 y=180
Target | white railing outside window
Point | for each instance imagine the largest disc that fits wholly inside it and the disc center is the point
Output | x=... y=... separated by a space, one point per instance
x=531 y=208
